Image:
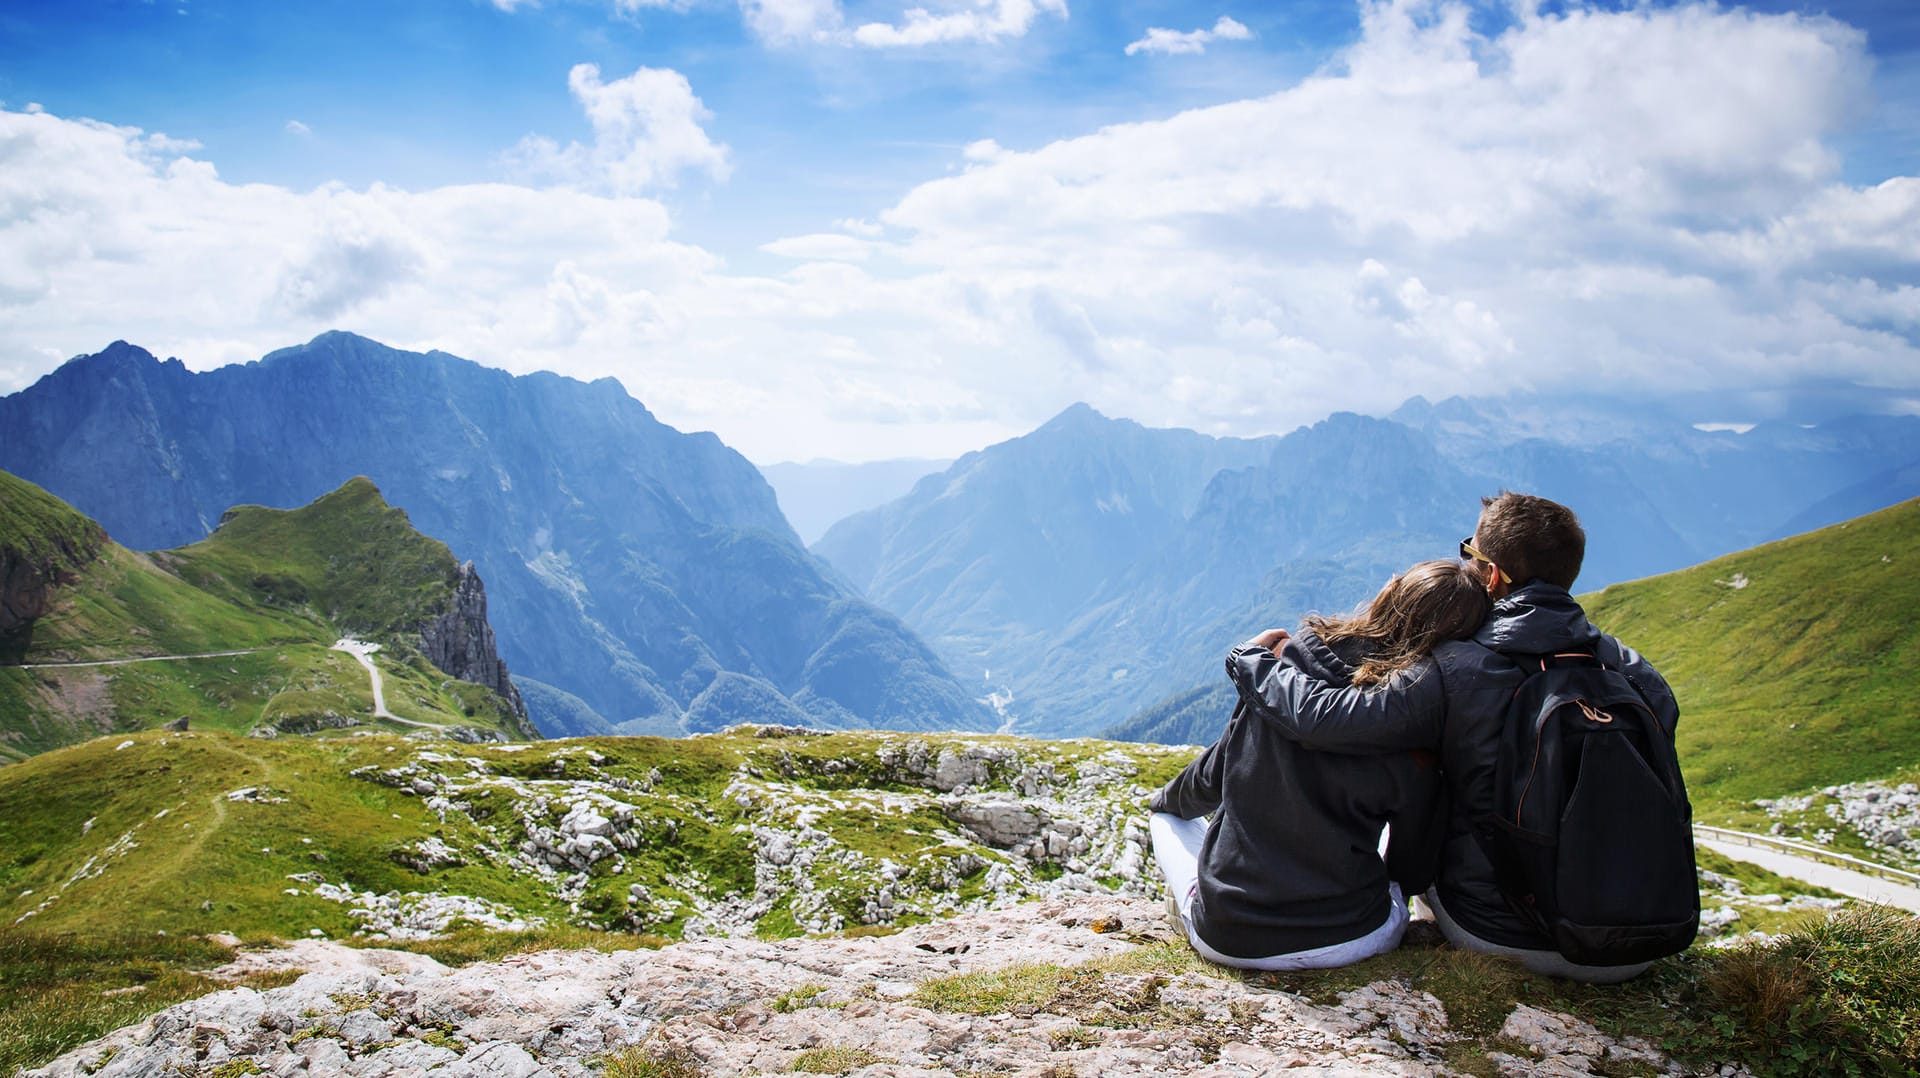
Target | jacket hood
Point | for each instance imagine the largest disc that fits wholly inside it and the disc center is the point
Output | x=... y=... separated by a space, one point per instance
x=1333 y=663
x=1540 y=617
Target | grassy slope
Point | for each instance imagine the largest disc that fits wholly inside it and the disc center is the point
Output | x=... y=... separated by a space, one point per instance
x=206 y=849
x=1804 y=677
x=396 y=578
x=43 y=529
x=268 y=581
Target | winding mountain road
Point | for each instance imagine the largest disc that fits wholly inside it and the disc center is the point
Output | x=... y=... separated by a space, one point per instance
x=363 y=651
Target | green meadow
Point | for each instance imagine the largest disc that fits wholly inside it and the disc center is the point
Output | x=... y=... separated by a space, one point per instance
x=1796 y=663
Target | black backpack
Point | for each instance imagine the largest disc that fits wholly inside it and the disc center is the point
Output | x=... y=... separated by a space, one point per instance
x=1592 y=837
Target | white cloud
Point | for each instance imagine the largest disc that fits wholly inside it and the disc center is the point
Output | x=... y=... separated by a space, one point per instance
x=295 y=127
x=1434 y=212
x=860 y=226
x=974 y=20
x=824 y=22
x=822 y=247
x=793 y=22
x=1190 y=42
x=646 y=130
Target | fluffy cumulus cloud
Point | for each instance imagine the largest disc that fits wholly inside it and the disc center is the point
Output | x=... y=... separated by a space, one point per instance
x=1642 y=200
x=796 y=22
x=1190 y=42
x=646 y=130
x=793 y=22
x=980 y=20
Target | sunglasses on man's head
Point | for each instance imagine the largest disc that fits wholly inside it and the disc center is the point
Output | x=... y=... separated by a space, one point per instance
x=1472 y=553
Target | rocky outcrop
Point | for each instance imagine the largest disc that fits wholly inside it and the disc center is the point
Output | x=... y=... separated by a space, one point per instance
x=460 y=643
x=1107 y=992
x=1886 y=817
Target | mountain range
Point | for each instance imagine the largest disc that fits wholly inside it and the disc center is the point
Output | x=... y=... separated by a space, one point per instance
x=641 y=579
x=1094 y=568
x=644 y=580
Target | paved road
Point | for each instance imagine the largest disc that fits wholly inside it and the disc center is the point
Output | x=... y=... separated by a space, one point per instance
x=141 y=659
x=1834 y=878
x=363 y=651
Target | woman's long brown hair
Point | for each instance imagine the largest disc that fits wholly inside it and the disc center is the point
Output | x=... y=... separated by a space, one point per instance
x=1431 y=602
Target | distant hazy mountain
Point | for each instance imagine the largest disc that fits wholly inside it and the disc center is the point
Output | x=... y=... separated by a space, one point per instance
x=646 y=572
x=1093 y=568
x=819 y=493
x=994 y=559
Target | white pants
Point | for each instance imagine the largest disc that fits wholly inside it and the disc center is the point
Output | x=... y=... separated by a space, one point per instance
x=1549 y=963
x=1176 y=847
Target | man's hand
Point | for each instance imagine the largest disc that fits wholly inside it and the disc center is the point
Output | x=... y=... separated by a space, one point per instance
x=1271 y=639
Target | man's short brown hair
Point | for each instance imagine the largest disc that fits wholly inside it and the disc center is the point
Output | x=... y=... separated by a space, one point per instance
x=1531 y=538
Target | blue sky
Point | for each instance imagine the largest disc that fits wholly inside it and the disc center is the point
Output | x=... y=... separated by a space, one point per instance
x=836 y=228
x=426 y=93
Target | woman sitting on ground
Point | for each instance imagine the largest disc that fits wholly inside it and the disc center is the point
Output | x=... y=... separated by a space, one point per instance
x=1288 y=874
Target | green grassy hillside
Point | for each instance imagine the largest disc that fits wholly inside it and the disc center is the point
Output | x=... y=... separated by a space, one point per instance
x=234 y=632
x=1797 y=663
x=36 y=526
x=395 y=579
x=143 y=833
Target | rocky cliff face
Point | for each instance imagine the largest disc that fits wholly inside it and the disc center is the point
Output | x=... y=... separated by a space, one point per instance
x=460 y=642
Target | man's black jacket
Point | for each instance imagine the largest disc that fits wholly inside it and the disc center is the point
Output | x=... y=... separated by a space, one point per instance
x=1458 y=704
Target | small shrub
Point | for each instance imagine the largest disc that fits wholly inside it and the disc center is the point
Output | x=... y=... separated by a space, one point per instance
x=833 y=1060
x=1078 y=1037
x=1478 y=990
x=802 y=996
x=444 y=1038
x=1837 y=997
x=641 y=1061
x=1032 y=985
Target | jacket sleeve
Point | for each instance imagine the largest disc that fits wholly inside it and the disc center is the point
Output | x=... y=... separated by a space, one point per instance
x=1658 y=694
x=1195 y=791
x=1406 y=713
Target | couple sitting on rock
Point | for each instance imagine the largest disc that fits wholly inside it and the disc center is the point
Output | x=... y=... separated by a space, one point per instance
x=1398 y=715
